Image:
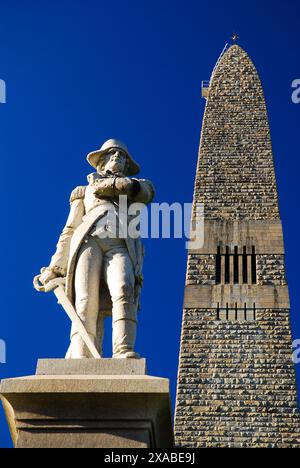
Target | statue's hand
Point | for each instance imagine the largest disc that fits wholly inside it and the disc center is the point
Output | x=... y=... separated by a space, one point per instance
x=104 y=187
x=115 y=186
x=46 y=276
x=127 y=186
x=48 y=280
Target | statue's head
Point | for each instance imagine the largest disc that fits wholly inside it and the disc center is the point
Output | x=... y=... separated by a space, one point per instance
x=113 y=156
x=115 y=160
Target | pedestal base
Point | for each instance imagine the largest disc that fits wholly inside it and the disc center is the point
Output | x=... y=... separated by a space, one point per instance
x=71 y=410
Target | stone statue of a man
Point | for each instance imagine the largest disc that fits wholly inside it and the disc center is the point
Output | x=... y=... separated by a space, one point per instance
x=103 y=268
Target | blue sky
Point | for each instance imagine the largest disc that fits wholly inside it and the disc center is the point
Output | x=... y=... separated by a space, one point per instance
x=80 y=72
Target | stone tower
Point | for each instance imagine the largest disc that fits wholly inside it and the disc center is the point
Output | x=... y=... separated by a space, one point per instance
x=236 y=380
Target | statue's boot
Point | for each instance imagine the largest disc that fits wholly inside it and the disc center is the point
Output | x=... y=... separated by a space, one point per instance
x=78 y=349
x=124 y=332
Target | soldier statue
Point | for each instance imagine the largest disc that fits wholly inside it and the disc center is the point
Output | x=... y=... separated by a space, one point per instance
x=102 y=267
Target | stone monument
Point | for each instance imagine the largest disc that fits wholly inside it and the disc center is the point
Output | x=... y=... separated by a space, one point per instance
x=96 y=271
x=236 y=380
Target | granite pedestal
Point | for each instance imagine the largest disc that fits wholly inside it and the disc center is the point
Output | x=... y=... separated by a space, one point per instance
x=107 y=403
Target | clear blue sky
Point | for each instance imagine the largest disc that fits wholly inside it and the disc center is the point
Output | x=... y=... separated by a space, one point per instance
x=79 y=72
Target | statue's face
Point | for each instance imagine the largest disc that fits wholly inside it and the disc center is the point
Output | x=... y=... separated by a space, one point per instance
x=115 y=160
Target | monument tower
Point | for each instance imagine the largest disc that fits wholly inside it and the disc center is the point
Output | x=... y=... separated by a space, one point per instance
x=236 y=380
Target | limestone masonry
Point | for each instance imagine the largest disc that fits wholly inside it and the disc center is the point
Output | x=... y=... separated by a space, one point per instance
x=236 y=378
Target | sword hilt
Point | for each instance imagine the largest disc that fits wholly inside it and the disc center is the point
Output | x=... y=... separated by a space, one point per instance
x=50 y=286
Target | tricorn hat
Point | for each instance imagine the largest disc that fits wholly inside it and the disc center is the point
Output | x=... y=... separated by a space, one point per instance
x=95 y=157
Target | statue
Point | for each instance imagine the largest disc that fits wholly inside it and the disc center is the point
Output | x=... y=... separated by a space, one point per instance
x=100 y=268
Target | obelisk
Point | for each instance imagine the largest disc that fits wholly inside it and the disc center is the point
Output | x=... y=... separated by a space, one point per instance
x=236 y=380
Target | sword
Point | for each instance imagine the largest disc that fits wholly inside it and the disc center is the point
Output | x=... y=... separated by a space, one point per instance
x=57 y=286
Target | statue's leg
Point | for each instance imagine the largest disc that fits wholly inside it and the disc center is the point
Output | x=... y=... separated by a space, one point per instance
x=87 y=282
x=119 y=275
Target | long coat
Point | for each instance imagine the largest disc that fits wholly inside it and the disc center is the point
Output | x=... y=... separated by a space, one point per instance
x=85 y=211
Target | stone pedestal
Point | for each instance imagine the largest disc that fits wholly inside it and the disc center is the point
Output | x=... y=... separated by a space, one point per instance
x=107 y=403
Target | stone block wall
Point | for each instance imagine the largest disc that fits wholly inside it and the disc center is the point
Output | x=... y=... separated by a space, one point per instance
x=235 y=174
x=270 y=269
x=236 y=383
x=201 y=269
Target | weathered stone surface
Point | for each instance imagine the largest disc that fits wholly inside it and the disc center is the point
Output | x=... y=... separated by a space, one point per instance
x=84 y=384
x=271 y=269
x=235 y=177
x=201 y=269
x=265 y=234
x=236 y=381
x=236 y=378
x=91 y=367
x=262 y=296
x=88 y=411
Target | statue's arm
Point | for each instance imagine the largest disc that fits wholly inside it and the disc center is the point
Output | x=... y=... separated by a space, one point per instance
x=59 y=261
x=106 y=187
x=145 y=191
x=138 y=190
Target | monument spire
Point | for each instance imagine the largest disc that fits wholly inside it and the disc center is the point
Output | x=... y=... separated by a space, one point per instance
x=235 y=37
x=236 y=380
